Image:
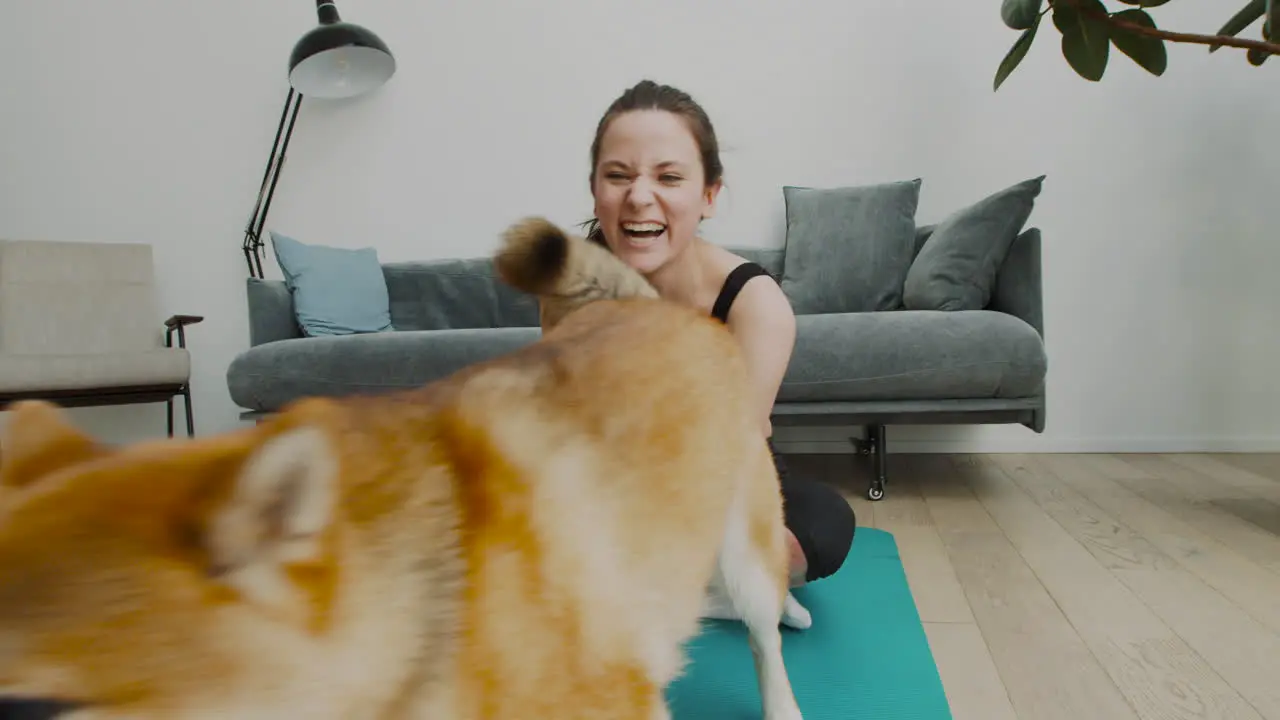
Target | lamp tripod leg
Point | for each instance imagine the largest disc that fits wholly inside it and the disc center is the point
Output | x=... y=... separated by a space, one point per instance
x=271 y=175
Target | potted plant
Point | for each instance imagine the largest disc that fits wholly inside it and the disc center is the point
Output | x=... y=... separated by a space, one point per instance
x=1089 y=29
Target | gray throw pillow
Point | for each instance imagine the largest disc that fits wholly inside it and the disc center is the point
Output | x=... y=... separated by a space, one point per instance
x=849 y=248
x=956 y=268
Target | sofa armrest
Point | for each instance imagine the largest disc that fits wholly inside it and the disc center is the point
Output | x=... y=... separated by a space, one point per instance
x=271 y=315
x=1019 y=289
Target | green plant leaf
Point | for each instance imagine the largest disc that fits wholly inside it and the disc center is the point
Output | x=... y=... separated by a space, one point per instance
x=1243 y=18
x=1015 y=54
x=1145 y=3
x=1148 y=52
x=1257 y=57
x=1086 y=43
x=1020 y=14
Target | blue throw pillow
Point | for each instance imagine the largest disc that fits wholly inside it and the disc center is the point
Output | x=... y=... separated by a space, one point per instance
x=336 y=291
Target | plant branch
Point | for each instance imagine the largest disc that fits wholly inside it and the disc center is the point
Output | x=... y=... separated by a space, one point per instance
x=1181 y=37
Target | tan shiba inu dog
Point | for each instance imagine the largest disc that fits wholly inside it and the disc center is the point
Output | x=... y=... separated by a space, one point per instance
x=532 y=537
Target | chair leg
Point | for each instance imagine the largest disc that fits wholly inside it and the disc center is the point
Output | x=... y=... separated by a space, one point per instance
x=169 y=407
x=191 y=420
x=874 y=445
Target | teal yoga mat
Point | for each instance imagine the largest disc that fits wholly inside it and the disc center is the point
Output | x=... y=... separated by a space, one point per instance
x=866 y=655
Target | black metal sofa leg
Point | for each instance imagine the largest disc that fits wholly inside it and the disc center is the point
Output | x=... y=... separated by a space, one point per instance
x=873 y=444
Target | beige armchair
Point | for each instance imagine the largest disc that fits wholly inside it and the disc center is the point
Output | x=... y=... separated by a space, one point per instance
x=79 y=327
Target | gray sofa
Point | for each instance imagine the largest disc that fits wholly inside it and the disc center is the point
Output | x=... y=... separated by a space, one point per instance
x=871 y=369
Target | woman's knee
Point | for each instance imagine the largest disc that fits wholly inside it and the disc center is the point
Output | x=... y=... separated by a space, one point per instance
x=823 y=522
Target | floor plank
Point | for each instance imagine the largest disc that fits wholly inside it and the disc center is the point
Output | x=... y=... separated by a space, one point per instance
x=969 y=676
x=1154 y=668
x=1265 y=464
x=1088 y=586
x=1204 y=505
x=1047 y=669
x=1252 y=483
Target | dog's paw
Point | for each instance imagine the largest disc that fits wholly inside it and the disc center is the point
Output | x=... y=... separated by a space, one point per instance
x=795 y=615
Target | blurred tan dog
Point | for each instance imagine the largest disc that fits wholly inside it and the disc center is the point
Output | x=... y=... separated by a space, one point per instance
x=531 y=537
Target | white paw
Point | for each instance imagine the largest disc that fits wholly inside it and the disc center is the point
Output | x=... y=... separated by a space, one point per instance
x=795 y=615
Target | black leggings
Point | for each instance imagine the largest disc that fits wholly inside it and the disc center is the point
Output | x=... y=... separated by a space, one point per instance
x=821 y=519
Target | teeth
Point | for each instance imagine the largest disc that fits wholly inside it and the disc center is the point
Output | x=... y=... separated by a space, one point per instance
x=643 y=227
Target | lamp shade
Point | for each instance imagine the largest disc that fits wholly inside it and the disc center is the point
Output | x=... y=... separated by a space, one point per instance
x=339 y=59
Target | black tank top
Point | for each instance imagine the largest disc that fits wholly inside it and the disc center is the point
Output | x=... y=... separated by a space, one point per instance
x=732 y=286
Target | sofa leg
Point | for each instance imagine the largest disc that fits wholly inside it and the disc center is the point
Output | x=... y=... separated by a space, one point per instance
x=880 y=458
x=873 y=445
x=169 y=408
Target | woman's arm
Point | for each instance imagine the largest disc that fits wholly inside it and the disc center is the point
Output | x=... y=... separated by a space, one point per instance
x=765 y=325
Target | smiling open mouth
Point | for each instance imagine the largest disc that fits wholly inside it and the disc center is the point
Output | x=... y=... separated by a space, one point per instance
x=643 y=230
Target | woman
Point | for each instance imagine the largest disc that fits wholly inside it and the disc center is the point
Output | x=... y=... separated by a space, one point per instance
x=655 y=175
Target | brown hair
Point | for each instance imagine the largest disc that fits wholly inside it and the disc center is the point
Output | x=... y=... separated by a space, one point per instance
x=649 y=95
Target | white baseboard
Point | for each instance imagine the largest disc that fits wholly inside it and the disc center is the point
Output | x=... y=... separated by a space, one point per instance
x=1041 y=444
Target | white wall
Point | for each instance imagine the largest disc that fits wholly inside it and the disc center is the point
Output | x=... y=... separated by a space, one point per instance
x=139 y=120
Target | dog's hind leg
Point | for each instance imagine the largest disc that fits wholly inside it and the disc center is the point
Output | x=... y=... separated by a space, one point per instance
x=752 y=574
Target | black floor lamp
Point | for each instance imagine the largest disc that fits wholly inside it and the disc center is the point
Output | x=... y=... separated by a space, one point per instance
x=335 y=59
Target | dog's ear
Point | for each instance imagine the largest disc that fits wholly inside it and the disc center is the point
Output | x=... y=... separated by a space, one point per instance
x=274 y=513
x=39 y=440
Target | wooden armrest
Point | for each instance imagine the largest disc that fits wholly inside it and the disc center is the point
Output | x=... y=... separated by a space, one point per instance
x=179 y=323
x=180 y=320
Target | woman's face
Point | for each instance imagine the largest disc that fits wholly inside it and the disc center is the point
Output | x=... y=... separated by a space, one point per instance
x=649 y=191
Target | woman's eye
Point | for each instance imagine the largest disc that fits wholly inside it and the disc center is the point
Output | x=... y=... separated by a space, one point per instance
x=670 y=178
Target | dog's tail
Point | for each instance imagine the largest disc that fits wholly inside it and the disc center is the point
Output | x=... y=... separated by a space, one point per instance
x=540 y=258
x=534 y=257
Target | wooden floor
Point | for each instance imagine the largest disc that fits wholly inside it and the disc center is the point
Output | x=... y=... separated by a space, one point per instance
x=1085 y=587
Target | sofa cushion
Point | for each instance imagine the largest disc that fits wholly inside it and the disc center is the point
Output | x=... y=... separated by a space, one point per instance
x=839 y=357
x=336 y=291
x=94 y=371
x=957 y=265
x=268 y=376
x=453 y=294
x=848 y=249
x=913 y=355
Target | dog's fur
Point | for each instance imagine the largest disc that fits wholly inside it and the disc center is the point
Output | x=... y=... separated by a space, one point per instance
x=531 y=537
